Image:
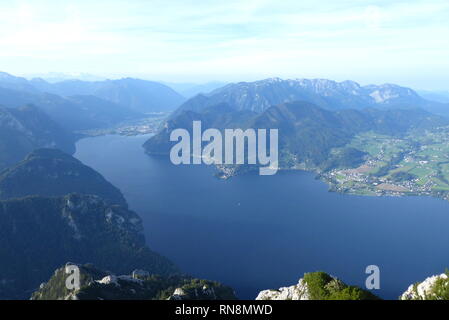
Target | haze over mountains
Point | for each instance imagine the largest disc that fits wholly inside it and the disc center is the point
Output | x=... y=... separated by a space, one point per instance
x=189 y=90
x=438 y=96
x=54 y=77
x=138 y=95
x=80 y=105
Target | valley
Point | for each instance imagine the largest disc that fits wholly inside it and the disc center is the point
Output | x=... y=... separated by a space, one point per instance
x=416 y=164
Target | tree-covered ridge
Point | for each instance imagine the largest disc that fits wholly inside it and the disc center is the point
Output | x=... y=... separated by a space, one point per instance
x=27 y=128
x=307 y=133
x=140 y=285
x=43 y=233
x=50 y=172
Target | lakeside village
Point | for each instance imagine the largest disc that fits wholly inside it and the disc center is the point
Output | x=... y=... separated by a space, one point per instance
x=142 y=126
x=414 y=165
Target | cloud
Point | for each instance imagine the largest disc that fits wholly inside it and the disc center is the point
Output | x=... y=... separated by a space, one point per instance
x=347 y=38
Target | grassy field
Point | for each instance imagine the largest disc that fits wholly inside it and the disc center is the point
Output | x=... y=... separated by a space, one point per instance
x=422 y=157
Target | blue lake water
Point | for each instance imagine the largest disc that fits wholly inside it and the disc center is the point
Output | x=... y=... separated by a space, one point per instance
x=258 y=232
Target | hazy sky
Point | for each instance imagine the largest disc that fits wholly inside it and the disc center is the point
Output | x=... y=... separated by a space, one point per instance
x=405 y=42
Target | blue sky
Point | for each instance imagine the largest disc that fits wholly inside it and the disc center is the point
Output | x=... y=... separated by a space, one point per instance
x=404 y=42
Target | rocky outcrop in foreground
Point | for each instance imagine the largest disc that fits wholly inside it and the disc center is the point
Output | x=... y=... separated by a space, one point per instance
x=96 y=284
x=317 y=286
x=296 y=292
x=321 y=286
x=432 y=288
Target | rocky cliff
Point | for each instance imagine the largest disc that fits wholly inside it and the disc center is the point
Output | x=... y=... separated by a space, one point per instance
x=433 y=288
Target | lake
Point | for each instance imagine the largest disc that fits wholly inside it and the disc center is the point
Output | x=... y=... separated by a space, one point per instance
x=258 y=232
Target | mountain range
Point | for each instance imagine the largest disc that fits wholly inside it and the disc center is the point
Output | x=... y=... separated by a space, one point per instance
x=260 y=95
x=307 y=133
x=81 y=105
x=313 y=116
x=138 y=95
x=53 y=77
x=72 y=113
